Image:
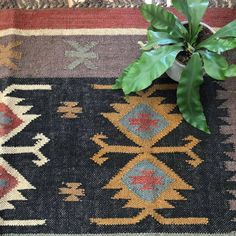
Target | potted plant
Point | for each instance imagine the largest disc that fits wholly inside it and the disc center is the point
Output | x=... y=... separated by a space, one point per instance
x=186 y=51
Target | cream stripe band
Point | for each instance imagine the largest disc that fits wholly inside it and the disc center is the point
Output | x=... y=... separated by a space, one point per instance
x=22 y=222
x=61 y=32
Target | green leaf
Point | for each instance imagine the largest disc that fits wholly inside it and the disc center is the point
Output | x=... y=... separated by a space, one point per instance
x=227 y=31
x=160 y=38
x=231 y=71
x=218 y=45
x=163 y=20
x=193 y=10
x=119 y=80
x=147 y=68
x=215 y=65
x=158 y=16
x=188 y=96
x=193 y=40
x=182 y=6
x=197 y=10
x=149 y=46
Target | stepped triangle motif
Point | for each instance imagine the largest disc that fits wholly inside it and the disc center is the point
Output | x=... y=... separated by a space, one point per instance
x=11 y=182
x=14 y=117
x=145 y=182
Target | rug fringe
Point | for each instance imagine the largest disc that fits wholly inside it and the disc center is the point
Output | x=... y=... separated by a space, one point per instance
x=111 y=3
x=33 y=4
x=106 y=4
x=138 y=3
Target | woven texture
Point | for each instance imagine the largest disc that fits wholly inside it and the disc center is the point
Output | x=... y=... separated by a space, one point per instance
x=40 y=4
x=78 y=158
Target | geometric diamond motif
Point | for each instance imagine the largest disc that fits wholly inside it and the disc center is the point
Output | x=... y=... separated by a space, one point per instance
x=144 y=122
x=14 y=117
x=7 y=182
x=147 y=183
x=11 y=184
x=8 y=120
x=147 y=180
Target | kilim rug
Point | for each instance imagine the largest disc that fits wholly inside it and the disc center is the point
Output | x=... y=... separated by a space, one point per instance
x=40 y=4
x=78 y=158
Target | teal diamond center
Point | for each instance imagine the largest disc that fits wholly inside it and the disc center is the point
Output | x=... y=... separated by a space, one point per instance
x=144 y=122
x=147 y=180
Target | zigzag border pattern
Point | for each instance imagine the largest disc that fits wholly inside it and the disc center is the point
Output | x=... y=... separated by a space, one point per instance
x=228 y=95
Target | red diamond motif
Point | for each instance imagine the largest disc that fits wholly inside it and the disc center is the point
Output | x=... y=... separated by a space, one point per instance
x=9 y=121
x=7 y=182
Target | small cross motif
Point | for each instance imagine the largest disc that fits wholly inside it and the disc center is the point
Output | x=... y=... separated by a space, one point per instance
x=82 y=55
x=144 y=122
x=70 y=110
x=148 y=180
x=74 y=191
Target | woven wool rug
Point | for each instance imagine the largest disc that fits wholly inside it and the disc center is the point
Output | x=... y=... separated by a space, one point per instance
x=39 y=4
x=78 y=158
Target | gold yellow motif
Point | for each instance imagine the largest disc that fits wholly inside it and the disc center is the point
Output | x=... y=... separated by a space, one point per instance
x=145 y=151
x=74 y=191
x=69 y=110
x=7 y=54
x=145 y=146
x=99 y=157
x=149 y=208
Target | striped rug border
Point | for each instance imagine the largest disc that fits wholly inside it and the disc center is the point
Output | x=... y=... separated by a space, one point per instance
x=41 y=4
x=95 y=18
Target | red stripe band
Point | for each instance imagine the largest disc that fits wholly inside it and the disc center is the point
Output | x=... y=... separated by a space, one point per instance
x=94 y=18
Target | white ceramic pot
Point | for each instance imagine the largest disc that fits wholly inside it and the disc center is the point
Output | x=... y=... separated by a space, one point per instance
x=177 y=68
